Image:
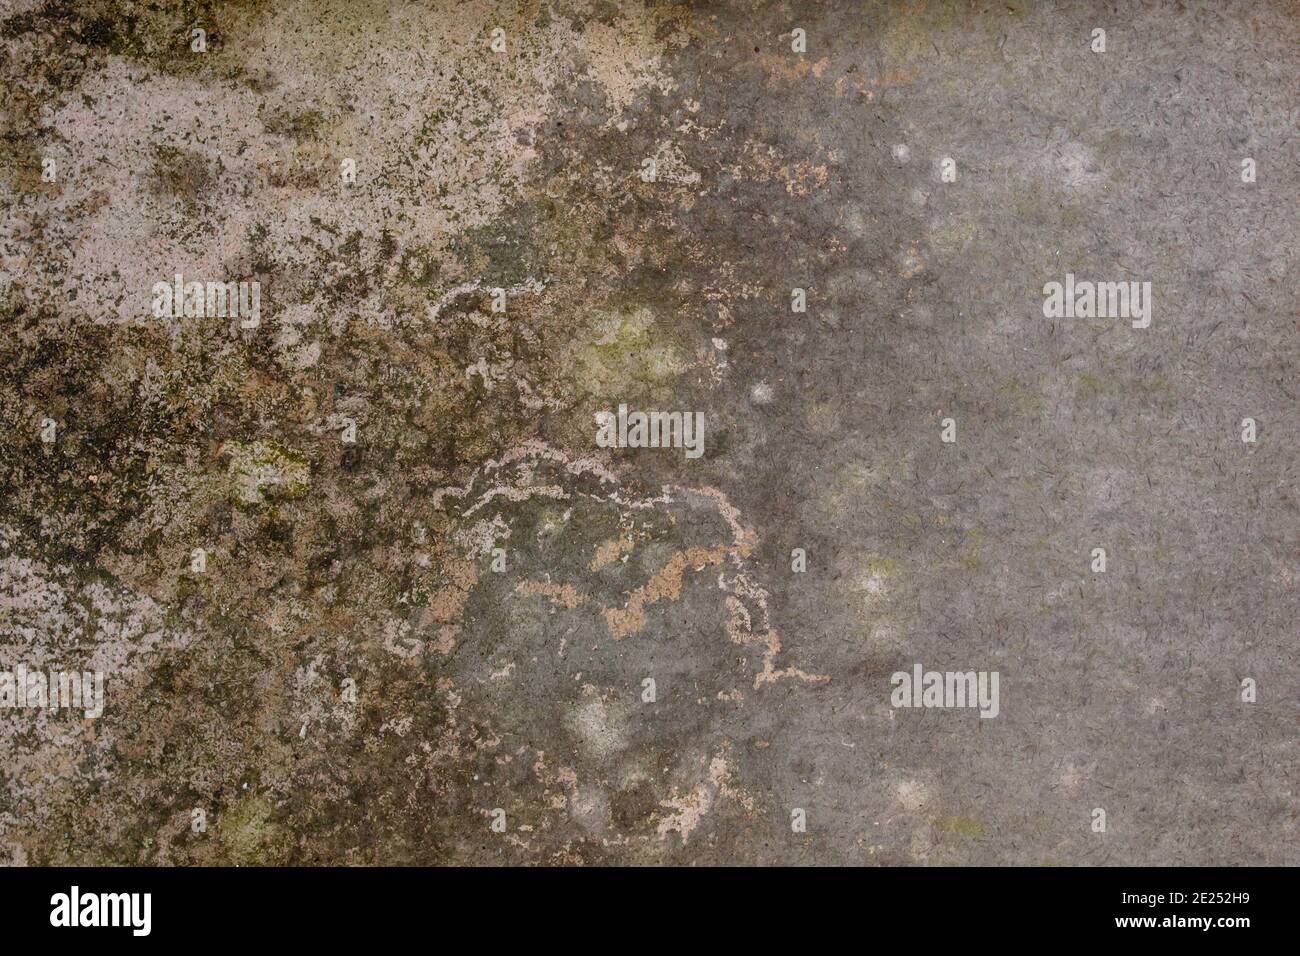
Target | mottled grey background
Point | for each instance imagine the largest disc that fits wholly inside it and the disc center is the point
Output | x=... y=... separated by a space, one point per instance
x=521 y=689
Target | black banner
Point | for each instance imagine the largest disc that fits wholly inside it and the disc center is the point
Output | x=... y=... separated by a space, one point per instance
x=365 y=905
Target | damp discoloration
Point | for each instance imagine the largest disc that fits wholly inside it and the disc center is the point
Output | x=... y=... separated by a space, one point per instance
x=458 y=608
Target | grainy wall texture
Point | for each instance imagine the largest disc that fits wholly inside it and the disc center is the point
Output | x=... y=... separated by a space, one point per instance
x=362 y=584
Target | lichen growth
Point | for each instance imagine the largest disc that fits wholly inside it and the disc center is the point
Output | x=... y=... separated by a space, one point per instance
x=965 y=827
x=629 y=356
x=261 y=472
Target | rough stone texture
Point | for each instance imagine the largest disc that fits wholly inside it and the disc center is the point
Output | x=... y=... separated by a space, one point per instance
x=522 y=689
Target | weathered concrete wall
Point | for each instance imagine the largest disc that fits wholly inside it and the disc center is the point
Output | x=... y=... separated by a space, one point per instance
x=427 y=593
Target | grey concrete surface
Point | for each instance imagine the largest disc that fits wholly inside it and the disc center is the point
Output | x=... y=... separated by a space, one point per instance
x=430 y=602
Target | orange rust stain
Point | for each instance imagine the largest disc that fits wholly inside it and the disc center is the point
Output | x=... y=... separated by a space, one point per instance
x=609 y=552
x=563 y=594
x=666 y=585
